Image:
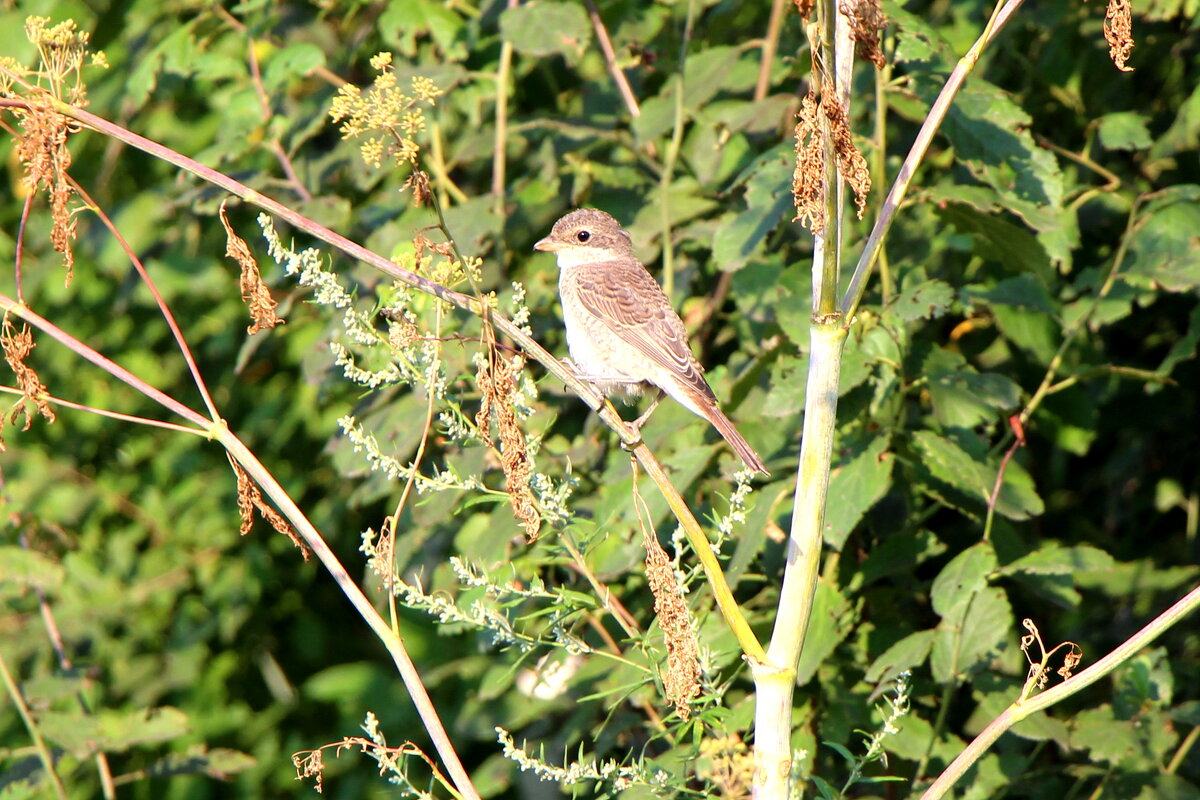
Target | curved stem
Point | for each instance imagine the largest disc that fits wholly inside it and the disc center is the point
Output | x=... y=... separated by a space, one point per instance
x=916 y=154
x=1019 y=711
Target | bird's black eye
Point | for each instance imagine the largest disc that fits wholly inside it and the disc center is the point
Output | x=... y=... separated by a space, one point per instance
x=583 y=236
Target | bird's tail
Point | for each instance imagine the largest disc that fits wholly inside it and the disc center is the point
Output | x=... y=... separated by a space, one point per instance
x=740 y=446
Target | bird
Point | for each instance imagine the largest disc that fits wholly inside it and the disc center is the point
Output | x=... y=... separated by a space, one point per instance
x=622 y=333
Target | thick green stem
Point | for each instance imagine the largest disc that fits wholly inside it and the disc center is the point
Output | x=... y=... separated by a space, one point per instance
x=775 y=680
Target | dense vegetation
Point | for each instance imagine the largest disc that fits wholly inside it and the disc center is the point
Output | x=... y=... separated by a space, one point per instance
x=1033 y=316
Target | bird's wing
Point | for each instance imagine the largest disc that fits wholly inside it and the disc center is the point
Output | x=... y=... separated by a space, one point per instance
x=627 y=299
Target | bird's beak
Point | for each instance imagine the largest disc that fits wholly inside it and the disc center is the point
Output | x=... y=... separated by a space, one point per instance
x=548 y=245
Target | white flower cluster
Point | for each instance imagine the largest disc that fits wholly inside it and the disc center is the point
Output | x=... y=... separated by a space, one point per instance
x=519 y=315
x=609 y=772
x=307 y=265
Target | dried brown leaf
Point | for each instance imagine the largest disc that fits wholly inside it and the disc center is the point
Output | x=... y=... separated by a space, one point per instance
x=255 y=293
x=42 y=149
x=250 y=499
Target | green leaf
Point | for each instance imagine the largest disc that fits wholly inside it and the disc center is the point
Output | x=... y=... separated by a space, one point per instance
x=854 y=487
x=1055 y=559
x=927 y=300
x=909 y=652
x=959 y=581
x=296 y=61
x=1123 y=130
x=402 y=24
x=968 y=639
x=971 y=210
x=739 y=235
x=962 y=397
x=29 y=569
x=949 y=463
x=112 y=731
x=1165 y=246
x=547 y=28
x=900 y=554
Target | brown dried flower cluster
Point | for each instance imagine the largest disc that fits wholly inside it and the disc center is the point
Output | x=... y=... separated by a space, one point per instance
x=851 y=164
x=249 y=498
x=42 y=149
x=255 y=293
x=805 y=7
x=1038 y=675
x=866 y=21
x=808 y=178
x=17 y=347
x=1118 y=31
x=682 y=681
x=496 y=380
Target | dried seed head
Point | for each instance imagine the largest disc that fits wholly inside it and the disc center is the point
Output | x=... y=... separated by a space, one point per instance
x=866 y=21
x=805 y=7
x=1118 y=31
x=851 y=164
x=42 y=149
x=17 y=346
x=808 y=188
x=682 y=680
x=496 y=380
x=255 y=293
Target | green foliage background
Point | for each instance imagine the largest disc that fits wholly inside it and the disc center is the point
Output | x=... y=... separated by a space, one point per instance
x=1052 y=167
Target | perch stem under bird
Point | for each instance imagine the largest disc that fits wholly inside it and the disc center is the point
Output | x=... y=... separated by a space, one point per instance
x=622 y=333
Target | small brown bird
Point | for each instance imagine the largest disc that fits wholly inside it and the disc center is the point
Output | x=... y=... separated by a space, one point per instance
x=621 y=330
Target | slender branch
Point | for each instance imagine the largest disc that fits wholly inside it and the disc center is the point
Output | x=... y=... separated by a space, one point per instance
x=916 y=154
x=39 y=743
x=769 y=46
x=111 y=367
x=672 y=155
x=379 y=626
x=610 y=60
x=21 y=246
x=1020 y=711
x=163 y=308
x=499 y=154
x=155 y=423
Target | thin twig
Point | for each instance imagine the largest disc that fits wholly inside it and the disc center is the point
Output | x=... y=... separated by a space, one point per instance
x=39 y=743
x=610 y=60
x=769 y=46
x=163 y=308
x=154 y=423
x=499 y=152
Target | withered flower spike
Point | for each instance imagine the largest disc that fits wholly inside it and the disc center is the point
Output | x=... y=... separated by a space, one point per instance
x=496 y=380
x=1118 y=31
x=17 y=346
x=682 y=680
x=866 y=21
x=808 y=189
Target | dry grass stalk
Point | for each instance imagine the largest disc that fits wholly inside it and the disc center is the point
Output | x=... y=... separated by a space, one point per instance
x=249 y=499
x=496 y=380
x=1118 y=31
x=42 y=149
x=682 y=681
x=255 y=293
x=808 y=187
x=851 y=165
x=866 y=21
x=17 y=347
